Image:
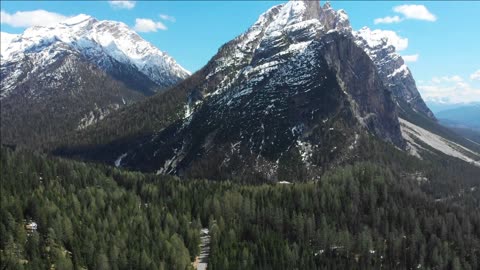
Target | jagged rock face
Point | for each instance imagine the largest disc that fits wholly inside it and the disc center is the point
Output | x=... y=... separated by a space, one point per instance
x=359 y=77
x=284 y=100
x=393 y=70
x=333 y=19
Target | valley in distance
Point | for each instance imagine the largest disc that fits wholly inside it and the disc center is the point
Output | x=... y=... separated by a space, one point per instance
x=301 y=144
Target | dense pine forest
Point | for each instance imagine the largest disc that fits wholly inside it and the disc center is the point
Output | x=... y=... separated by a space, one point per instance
x=360 y=216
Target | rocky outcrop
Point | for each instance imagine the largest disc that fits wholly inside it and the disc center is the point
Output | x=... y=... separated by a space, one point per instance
x=393 y=70
x=334 y=20
x=372 y=101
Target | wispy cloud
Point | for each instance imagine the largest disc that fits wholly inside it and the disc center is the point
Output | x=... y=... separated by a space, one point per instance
x=148 y=25
x=166 y=17
x=475 y=75
x=449 y=89
x=388 y=19
x=448 y=79
x=408 y=12
x=37 y=17
x=122 y=4
x=415 y=12
x=410 y=58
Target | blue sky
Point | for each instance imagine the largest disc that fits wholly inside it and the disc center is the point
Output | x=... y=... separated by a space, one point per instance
x=192 y=32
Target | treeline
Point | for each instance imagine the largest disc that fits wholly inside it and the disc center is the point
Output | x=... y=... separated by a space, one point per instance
x=362 y=216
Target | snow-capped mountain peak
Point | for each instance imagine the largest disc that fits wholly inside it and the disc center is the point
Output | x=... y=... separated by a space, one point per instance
x=74 y=73
x=80 y=18
x=98 y=41
x=290 y=28
x=295 y=12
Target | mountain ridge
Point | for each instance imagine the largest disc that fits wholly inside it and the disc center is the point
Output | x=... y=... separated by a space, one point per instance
x=75 y=73
x=96 y=40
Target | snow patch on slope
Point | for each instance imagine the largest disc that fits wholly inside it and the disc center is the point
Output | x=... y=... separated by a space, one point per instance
x=381 y=38
x=403 y=70
x=412 y=132
x=5 y=40
x=118 y=161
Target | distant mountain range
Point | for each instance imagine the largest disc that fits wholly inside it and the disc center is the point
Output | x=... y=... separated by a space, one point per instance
x=467 y=116
x=439 y=107
x=463 y=119
x=65 y=77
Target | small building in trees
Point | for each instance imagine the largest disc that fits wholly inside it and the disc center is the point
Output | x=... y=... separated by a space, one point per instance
x=31 y=226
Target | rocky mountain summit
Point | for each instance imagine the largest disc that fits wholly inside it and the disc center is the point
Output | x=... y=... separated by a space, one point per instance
x=103 y=43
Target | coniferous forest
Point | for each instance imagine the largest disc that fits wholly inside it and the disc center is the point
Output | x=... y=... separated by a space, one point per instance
x=302 y=143
x=361 y=216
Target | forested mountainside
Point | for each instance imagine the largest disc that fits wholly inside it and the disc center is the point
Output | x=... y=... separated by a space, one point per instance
x=361 y=216
x=65 y=77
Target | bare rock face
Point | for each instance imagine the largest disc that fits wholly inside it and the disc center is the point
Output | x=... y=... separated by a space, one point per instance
x=393 y=71
x=334 y=20
x=312 y=9
x=373 y=104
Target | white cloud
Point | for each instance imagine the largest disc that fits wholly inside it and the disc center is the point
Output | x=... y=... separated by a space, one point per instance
x=388 y=19
x=122 y=4
x=410 y=58
x=448 y=79
x=450 y=94
x=37 y=17
x=409 y=12
x=449 y=89
x=147 y=25
x=166 y=17
x=475 y=75
x=415 y=12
